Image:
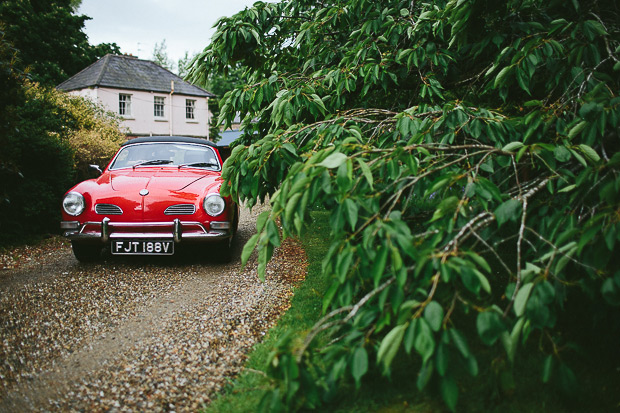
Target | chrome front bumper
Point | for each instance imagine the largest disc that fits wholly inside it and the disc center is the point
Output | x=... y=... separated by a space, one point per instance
x=176 y=230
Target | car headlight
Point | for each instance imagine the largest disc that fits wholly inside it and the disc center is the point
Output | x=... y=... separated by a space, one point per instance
x=214 y=205
x=73 y=203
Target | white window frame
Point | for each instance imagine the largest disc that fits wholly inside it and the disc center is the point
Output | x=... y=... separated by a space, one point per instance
x=124 y=104
x=190 y=109
x=159 y=107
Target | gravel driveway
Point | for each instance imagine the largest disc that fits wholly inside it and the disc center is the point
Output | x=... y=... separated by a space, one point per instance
x=132 y=334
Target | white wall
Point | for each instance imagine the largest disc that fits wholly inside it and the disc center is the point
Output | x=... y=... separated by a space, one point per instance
x=142 y=121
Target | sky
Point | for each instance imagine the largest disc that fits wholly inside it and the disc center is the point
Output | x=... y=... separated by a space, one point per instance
x=137 y=25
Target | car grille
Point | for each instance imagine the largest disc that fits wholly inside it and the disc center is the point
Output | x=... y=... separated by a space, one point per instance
x=180 y=209
x=108 y=209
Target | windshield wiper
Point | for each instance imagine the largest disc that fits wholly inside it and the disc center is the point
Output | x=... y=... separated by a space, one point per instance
x=199 y=165
x=153 y=162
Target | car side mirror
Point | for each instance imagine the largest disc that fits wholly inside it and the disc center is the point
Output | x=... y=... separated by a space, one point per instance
x=95 y=168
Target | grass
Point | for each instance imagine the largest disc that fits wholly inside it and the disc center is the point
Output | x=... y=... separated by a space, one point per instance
x=596 y=364
x=246 y=392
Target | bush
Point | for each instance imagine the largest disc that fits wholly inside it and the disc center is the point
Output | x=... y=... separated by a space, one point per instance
x=54 y=139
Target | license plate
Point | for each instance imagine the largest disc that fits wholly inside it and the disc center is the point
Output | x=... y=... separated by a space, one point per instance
x=142 y=247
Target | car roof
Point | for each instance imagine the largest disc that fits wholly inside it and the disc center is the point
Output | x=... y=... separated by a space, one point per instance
x=182 y=139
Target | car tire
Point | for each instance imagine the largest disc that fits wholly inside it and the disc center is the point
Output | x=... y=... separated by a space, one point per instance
x=86 y=252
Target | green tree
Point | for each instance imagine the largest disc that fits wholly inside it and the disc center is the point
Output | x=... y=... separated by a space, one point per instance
x=219 y=82
x=184 y=63
x=160 y=55
x=11 y=97
x=502 y=116
x=50 y=38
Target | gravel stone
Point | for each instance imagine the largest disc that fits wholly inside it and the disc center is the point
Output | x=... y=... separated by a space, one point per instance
x=129 y=334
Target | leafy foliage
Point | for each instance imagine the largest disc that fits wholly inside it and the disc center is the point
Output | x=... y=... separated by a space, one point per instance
x=93 y=133
x=49 y=38
x=501 y=115
x=47 y=139
x=219 y=82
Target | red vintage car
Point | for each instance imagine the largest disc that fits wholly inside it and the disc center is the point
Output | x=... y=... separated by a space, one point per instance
x=157 y=194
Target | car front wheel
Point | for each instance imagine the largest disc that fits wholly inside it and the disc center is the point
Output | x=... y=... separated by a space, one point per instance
x=86 y=252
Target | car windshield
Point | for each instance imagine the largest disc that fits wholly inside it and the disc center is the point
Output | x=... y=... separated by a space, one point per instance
x=180 y=155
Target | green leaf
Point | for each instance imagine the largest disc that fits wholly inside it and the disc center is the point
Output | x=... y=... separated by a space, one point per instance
x=579 y=158
x=575 y=130
x=273 y=234
x=561 y=154
x=390 y=345
x=512 y=146
x=490 y=326
x=531 y=103
x=521 y=298
x=590 y=153
x=433 y=313
x=449 y=392
x=501 y=76
x=329 y=295
x=508 y=211
x=248 y=248
x=365 y=171
x=424 y=376
x=567 y=188
x=334 y=160
x=262 y=220
x=511 y=341
x=484 y=282
x=424 y=343
x=446 y=207
x=316 y=99
x=442 y=358
x=481 y=262
x=359 y=365
x=351 y=210
x=378 y=266
x=291 y=206
x=409 y=336
x=460 y=342
x=547 y=369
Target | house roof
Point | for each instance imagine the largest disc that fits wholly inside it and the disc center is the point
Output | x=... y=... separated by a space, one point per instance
x=127 y=72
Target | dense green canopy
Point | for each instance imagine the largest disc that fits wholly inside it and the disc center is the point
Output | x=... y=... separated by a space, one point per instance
x=49 y=37
x=468 y=154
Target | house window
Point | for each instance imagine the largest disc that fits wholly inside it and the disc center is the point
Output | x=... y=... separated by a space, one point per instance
x=124 y=105
x=158 y=108
x=190 y=105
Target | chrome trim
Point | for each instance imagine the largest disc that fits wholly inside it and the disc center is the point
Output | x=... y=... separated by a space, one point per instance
x=105 y=229
x=108 y=209
x=176 y=233
x=180 y=209
x=177 y=230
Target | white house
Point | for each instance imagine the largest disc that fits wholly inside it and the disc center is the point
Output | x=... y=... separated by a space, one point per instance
x=151 y=100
